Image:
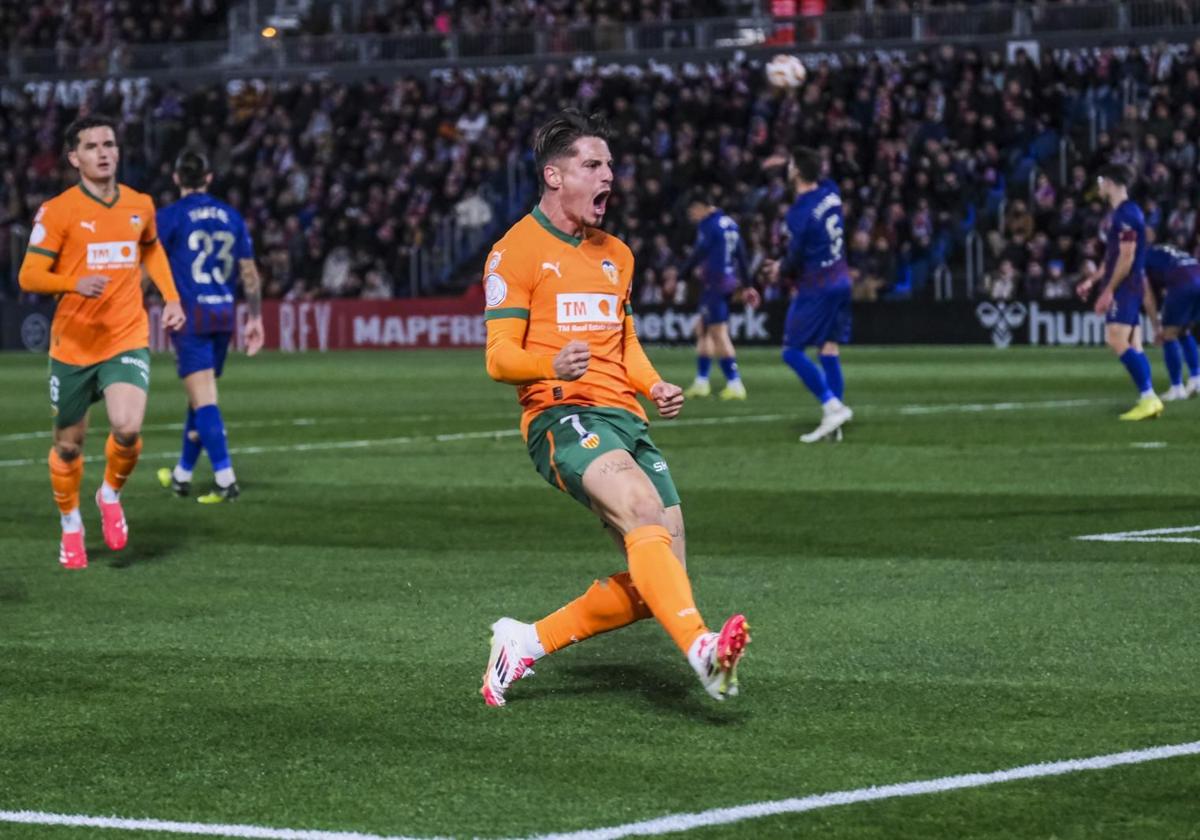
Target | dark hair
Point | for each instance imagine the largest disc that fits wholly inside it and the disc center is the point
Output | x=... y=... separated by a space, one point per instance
x=808 y=164
x=1118 y=173
x=191 y=168
x=556 y=137
x=702 y=195
x=71 y=135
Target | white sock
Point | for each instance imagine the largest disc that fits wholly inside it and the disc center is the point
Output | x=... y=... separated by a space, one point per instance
x=1195 y=381
x=531 y=642
x=701 y=380
x=225 y=477
x=1148 y=394
x=109 y=494
x=181 y=475
x=832 y=404
x=72 y=522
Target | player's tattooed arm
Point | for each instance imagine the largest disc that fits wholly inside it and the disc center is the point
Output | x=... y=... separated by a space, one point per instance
x=252 y=286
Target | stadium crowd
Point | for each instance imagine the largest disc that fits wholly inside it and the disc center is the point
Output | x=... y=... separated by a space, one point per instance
x=99 y=25
x=340 y=183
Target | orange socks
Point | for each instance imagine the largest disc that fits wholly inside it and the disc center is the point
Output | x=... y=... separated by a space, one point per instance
x=606 y=606
x=663 y=584
x=65 y=478
x=120 y=461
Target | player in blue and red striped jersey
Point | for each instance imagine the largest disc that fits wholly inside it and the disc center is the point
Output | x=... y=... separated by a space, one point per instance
x=1123 y=284
x=1174 y=305
x=209 y=250
x=819 y=314
x=725 y=272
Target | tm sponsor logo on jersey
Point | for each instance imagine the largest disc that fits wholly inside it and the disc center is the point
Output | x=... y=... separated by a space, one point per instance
x=104 y=255
x=579 y=311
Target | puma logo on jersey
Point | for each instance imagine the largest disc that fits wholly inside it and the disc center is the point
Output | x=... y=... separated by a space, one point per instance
x=553 y=267
x=88 y=226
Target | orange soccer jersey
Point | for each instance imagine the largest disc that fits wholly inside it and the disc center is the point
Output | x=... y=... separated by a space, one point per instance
x=81 y=235
x=569 y=289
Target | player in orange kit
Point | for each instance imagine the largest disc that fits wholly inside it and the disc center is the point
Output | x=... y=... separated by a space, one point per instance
x=88 y=246
x=560 y=327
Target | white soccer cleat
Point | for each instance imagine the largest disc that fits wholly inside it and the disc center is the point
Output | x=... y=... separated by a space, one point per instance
x=1193 y=385
x=833 y=420
x=1176 y=392
x=508 y=661
x=715 y=656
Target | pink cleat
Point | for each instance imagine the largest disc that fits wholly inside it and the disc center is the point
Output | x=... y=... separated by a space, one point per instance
x=112 y=518
x=714 y=656
x=71 y=551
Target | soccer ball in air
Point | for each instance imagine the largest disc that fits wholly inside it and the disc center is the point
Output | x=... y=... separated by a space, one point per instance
x=786 y=71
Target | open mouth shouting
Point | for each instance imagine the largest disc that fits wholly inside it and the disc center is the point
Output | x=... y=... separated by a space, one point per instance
x=600 y=202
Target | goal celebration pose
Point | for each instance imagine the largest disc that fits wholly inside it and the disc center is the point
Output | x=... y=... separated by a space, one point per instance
x=560 y=328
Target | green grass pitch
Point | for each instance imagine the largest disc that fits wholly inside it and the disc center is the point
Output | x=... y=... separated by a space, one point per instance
x=309 y=656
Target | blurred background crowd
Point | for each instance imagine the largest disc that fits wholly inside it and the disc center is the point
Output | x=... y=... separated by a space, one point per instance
x=947 y=157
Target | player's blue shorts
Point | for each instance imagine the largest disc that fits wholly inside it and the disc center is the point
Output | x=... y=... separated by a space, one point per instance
x=1126 y=306
x=714 y=307
x=816 y=316
x=206 y=351
x=1181 y=306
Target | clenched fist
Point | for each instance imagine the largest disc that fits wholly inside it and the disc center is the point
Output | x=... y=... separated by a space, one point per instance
x=572 y=361
x=668 y=398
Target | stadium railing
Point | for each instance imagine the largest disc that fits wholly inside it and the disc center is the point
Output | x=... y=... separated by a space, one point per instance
x=249 y=51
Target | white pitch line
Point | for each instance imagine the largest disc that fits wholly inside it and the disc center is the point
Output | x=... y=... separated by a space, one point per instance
x=365 y=443
x=178 y=427
x=258 y=424
x=1151 y=535
x=660 y=825
x=974 y=408
x=173 y=827
x=731 y=419
x=724 y=816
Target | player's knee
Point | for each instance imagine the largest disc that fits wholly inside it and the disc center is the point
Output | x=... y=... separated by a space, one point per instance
x=1118 y=343
x=68 y=452
x=126 y=437
x=646 y=509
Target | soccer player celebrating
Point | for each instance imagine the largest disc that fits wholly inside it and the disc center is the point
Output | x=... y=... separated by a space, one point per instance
x=1123 y=281
x=1175 y=280
x=209 y=250
x=720 y=252
x=559 y=325
x=88 y=246
x=819 y=314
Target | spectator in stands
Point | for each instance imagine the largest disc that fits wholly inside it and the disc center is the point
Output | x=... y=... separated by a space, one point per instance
x=1003 y=283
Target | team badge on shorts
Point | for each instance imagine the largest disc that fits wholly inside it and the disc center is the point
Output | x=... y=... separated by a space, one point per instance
x=610 y=271
x=591 y=441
